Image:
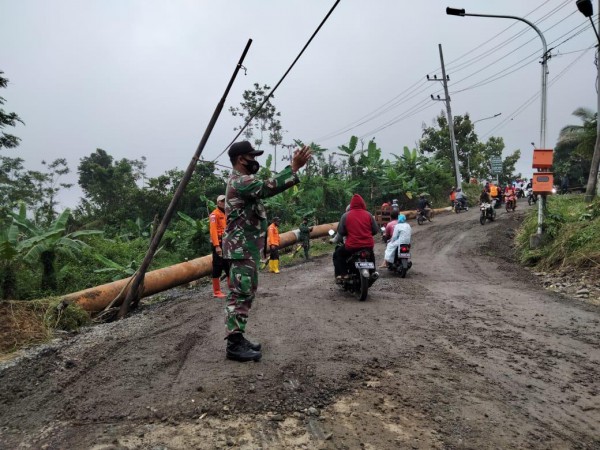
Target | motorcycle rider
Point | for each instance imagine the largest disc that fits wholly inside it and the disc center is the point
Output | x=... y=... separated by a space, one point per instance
x=495 y=195
x=510 y=195
x=358 y=227
x=485 y=197
x=389 y=228
x=452 y=196
x=425 y=206
x=402 y=235
x=461 y=198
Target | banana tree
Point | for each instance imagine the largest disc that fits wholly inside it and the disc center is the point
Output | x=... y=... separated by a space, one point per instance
x=45 y=245
x=8 y=256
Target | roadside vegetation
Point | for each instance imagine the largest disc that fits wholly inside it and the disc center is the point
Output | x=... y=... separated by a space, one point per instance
x=572 y=229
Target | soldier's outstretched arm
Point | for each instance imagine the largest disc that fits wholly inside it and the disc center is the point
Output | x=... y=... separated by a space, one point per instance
x=250 y=186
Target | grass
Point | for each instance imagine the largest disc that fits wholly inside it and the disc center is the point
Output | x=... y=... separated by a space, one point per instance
x=25 y=323
x=572 y=230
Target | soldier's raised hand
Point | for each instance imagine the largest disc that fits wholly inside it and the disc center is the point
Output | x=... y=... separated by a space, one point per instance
x=301 y=157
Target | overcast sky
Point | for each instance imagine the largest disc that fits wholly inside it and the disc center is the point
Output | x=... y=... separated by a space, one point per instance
x=142 y=78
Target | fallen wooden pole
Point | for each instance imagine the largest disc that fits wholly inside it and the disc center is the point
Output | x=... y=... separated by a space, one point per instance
x=97 y=298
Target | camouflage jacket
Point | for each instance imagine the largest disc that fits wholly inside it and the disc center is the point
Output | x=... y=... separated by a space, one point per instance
x=244 y=236
x=304 y=235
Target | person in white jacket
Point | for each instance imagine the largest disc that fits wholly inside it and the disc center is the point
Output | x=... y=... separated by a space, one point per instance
x=402 y=235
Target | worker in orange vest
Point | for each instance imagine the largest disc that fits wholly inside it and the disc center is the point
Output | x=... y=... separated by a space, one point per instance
x=495 y=193
x=273 y=244
x=217 y=222
x=452 y=196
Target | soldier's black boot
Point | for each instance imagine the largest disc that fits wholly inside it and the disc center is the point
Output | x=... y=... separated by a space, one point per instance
x=238 y=349
x=252 y=345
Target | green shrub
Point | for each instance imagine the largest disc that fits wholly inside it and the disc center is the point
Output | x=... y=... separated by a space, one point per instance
x=66 y=317
x=572 y=237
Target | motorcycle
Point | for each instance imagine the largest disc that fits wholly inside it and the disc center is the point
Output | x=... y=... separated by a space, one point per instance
x=458 y=207
x=422 y=216
x=511 y=203
x=531 y=197
x=402 y=261
x=487 y=213
x=361 y=272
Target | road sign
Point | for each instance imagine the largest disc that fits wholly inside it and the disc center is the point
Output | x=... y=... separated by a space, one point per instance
x=496 y=163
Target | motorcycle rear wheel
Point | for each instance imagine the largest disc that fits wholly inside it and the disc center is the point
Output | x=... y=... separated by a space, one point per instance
x=364 y=288
x=420 y=219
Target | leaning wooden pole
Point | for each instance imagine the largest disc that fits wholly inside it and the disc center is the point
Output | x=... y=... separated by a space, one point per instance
x=136 y=287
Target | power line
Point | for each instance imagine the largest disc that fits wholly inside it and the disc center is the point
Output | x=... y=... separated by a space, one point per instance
x=534 y=97
x=270 y=94
x=525 y=61
x=494 y=49
x=535 y=54
x=401 y=98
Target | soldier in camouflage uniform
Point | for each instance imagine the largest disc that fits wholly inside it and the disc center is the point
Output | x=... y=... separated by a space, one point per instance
x=304 y=236
x=244 y=237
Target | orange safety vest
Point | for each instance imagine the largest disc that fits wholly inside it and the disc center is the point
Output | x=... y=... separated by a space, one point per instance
x=493 y=190
x=217 y=222
x=452 y=196
x=272 y=235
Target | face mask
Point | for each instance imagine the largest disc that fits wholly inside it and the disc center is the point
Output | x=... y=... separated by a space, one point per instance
x=251 y=166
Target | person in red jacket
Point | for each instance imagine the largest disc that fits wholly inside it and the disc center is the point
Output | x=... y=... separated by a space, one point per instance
x=358 y=227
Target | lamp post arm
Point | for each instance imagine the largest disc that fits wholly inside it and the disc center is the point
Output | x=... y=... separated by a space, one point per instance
x=531 y=24
x=544 y=66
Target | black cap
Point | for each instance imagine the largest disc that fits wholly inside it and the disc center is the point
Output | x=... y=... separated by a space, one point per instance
x=243 y=148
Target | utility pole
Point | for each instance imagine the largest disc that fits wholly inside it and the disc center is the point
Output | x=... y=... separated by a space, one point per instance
x=444 y=80
x=593 y=184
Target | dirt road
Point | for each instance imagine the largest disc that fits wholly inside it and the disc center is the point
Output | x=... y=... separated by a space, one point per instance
x=467 y=352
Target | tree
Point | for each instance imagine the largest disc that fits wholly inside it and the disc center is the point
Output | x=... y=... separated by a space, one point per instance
x=48 y=186
x=265 y=121
x=109 y=187
x=15 y=182
x=575 y=147
x=473 y=155
x=7 y=119
x=436 y=140
x=8 y=256
x=16 y=185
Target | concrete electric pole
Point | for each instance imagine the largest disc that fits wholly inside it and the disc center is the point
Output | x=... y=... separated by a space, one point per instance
x=444 y=80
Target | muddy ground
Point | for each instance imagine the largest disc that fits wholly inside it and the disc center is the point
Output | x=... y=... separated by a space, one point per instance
x=469 y=351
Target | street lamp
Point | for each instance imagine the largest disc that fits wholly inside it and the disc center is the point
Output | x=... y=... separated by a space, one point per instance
x=593 y=185
x=585 y=7
x=462 y=13
x=486 y=118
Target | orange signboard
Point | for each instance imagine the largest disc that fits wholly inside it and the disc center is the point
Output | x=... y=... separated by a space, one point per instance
x=542 y=158
x=543 y=182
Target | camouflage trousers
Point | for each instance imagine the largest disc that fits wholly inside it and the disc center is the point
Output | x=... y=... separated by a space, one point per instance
x=243 y=282
x=306 y=246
